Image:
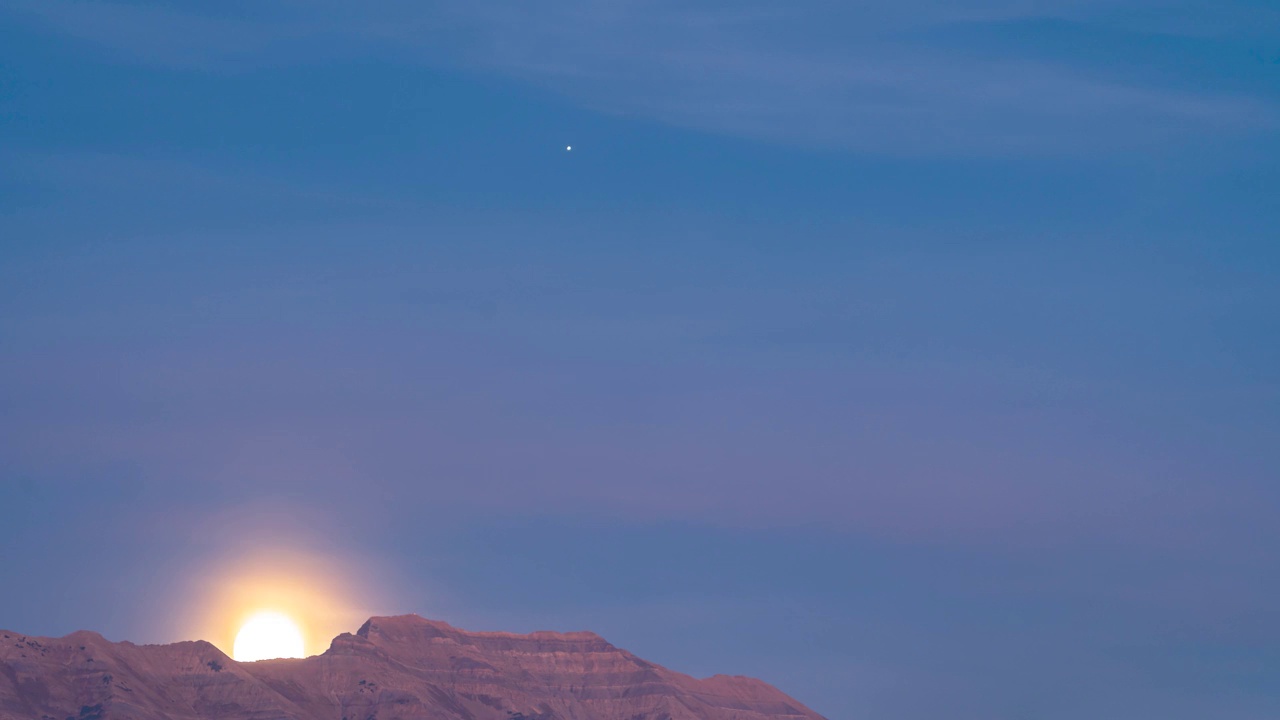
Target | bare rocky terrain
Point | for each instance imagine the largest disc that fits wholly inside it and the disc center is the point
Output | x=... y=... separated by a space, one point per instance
x=393 y=668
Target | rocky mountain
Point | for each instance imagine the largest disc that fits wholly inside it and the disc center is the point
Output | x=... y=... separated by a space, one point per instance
x=393 y=668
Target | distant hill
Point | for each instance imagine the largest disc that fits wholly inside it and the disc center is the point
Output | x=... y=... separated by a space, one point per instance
x=393 y=668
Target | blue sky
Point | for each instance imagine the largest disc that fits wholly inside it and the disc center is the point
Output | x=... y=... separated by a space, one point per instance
x=918 y=357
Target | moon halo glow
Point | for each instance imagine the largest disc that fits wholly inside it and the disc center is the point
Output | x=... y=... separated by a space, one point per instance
x=270 y=598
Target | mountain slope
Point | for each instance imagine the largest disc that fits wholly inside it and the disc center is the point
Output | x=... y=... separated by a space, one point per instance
x=393 y=668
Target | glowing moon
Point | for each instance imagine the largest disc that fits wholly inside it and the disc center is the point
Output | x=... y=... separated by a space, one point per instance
x=567 y=148
x=266 y=636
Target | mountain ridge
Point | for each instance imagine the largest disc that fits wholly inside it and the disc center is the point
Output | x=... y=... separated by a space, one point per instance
x=402 y=667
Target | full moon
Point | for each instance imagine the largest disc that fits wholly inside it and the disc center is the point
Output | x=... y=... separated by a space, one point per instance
x=266 y=636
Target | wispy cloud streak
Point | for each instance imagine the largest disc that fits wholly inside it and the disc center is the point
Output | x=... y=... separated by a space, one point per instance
x=880 y=77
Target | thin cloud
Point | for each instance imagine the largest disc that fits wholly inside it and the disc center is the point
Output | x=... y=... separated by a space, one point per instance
x=870 y=86
x=863 y=78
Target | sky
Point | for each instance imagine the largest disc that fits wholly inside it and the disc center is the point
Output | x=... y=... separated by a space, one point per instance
x=921 y=358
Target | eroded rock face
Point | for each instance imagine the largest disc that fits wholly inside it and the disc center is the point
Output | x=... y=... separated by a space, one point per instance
x=393 y=668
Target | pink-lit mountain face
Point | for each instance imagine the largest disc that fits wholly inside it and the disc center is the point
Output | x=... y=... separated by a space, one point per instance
x=394 y=668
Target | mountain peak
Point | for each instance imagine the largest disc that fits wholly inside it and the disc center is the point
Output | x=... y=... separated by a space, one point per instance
x=392 y=668
x=409 y=624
